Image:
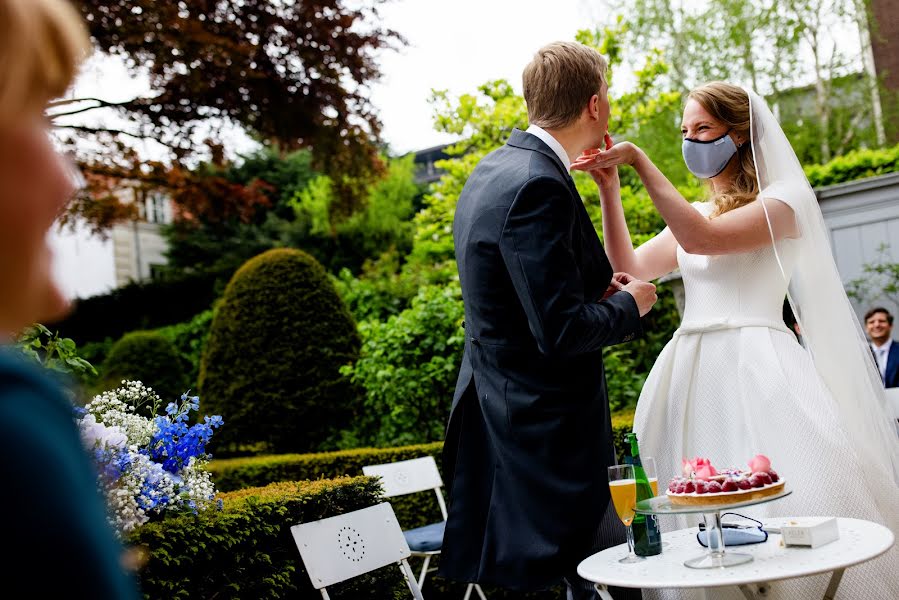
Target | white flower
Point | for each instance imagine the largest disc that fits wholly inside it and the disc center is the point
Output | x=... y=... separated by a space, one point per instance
x=96 y=434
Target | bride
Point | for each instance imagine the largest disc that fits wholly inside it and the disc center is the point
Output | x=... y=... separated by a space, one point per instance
x=734 y=382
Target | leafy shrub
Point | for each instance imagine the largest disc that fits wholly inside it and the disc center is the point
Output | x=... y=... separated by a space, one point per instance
x=53 y=352
x=271 y=365
x=189 y=339
x=408 y=368
x=380 y=291
x=149 y=357
x=857 y=164
x=141 y=306
x=247 y=551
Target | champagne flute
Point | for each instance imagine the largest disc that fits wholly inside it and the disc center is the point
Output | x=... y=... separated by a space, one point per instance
x=649 y=465
x=623 y=487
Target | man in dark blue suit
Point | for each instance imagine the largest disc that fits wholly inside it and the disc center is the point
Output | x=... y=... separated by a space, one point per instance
x=529 y=437
x=879 y=323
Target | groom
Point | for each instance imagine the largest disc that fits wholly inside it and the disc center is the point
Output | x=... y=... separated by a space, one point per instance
x=529 y=436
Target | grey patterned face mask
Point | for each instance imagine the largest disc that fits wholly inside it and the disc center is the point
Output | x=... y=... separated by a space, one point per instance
x=706 y=159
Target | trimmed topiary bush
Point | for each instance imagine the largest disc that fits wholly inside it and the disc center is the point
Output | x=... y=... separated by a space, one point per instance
x=146 y=356
x=271 y=366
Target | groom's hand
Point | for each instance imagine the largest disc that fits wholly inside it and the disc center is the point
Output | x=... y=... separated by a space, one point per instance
x=619 y=280
x=644 y=294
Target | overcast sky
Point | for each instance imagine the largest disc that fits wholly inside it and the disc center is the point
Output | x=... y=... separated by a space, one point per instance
x=458 y=47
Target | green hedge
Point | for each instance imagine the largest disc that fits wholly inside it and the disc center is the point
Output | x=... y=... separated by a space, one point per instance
x=412 y=511
x=246 y=550
x=857 y=164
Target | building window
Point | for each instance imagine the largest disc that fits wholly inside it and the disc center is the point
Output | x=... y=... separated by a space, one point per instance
x=155 y=207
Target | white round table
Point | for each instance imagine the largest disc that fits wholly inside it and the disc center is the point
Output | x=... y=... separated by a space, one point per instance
x=859 y=541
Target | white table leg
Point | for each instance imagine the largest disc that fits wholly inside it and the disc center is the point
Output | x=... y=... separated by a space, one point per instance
x=603 y=591
x=831 y=592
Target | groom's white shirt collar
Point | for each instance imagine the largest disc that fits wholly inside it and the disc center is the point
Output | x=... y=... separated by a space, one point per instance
x=547 y=138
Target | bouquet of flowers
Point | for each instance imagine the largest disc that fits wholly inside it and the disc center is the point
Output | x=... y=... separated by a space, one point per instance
x=148 y=465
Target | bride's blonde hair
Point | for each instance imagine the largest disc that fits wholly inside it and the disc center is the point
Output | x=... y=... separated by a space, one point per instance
x=729 y=104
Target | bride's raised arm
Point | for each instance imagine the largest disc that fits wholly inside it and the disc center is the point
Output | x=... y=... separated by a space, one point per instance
x=740 y=230
x=651 y=260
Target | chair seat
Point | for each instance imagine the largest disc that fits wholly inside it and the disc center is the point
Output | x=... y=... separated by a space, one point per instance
x=425 y=539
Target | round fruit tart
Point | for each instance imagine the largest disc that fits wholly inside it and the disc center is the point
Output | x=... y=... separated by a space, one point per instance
x=702 y=484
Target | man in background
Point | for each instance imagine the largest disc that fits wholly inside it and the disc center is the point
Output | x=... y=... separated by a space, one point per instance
x=879 y=324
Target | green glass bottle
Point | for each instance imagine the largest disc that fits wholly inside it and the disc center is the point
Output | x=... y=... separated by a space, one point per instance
x=647 y=535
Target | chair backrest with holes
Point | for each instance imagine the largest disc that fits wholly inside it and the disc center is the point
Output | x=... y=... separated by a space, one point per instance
x=407 y=476
x=340 y=548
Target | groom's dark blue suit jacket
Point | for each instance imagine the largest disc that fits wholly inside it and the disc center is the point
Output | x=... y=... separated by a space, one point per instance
x=529 y=435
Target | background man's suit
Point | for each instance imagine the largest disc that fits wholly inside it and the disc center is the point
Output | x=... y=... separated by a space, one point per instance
x=891 y=376
x=529 y=436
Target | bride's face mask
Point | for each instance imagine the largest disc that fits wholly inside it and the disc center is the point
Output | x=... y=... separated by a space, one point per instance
x=707 y=158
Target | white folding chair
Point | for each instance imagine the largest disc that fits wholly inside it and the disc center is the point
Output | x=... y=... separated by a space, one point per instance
x=340 y=548
x=408 y=477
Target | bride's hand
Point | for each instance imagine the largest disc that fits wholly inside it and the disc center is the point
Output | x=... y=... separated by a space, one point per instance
x=602 y=176
x=624 y=153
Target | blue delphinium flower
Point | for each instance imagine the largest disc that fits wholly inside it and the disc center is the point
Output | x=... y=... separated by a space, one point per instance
x=147 y=466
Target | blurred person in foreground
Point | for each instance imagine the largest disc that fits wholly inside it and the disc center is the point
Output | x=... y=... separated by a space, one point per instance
x=55 y=520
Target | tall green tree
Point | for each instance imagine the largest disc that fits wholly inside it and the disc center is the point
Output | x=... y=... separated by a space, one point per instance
x=796 y=52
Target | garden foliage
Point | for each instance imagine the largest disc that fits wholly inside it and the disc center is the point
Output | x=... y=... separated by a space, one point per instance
x=271 y=366
x=145 y=305
x=148 y=357
x=857 y=164
x=408 y=368
x=246 y=550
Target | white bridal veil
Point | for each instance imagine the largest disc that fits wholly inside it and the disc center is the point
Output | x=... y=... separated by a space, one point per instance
x=830 y=328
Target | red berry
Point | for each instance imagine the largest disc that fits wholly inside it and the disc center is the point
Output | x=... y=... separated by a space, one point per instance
x=714 y=487
x=744 y=484
x=756 y=481
x=766 y=479
x=680 y=488
x=729 y=486
x=689 y=488
x=701 y=487
x=774 y=477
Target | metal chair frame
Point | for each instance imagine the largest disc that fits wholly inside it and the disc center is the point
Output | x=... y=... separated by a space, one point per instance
x=343 y=547
x=408 y=477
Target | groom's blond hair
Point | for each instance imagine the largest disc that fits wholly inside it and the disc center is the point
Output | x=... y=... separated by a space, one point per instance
x=559 y=82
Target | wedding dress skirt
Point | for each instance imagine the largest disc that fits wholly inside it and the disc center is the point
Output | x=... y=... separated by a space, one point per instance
x=734 y=382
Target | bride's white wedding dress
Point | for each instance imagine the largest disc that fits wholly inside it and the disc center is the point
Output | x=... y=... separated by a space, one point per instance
x=734 y=382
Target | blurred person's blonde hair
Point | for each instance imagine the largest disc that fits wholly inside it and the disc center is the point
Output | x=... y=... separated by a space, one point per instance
x=559 y=82
x=42 y=43
x=729 y=104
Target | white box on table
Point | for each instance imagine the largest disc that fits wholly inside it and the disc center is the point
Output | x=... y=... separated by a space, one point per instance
x=810 y=531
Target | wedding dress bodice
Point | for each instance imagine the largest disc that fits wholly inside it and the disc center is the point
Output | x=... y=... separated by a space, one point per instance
x=735 y=290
